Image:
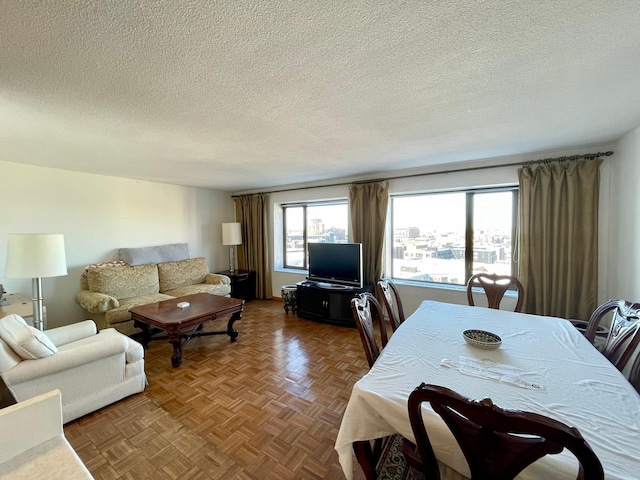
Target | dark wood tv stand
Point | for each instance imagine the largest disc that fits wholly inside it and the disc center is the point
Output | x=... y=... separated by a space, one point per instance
x=327 y=303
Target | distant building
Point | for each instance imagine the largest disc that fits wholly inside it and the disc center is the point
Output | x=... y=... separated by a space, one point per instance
x=485 y=255
x=446 y=254
x=338 y=235
x=406 y=233
x=316 y=227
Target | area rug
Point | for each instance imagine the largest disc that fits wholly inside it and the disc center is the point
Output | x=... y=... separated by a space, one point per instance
x=392 y=465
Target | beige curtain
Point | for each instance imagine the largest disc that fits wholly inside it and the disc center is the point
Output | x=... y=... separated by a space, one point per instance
x=368 y=211
x=559 y=238
x=253 y=254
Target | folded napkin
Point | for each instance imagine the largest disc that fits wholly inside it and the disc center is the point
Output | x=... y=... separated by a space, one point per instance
x=491 y=370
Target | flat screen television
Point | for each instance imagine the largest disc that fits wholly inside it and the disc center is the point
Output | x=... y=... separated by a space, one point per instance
x=336 y=263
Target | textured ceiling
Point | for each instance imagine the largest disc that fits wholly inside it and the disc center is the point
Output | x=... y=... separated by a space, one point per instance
x=255 y=94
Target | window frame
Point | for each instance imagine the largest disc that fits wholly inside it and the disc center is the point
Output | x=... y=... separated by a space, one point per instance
x=470 y=194
x=305 y=242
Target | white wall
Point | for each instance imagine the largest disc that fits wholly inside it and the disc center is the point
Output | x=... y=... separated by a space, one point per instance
x=98 y=215
x=624 y=234
x=413 y=294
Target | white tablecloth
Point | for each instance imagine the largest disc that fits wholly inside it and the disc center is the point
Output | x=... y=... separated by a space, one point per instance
x=579 y=387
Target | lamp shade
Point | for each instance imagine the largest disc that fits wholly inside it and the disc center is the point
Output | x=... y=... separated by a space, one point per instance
x=35 y=255
x=231 y=234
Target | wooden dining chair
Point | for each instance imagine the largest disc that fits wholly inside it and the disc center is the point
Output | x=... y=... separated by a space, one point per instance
x=495 y=286
x=393 y=304
x=366 y=311
x=496 y=443
x=634 y=374
x=622 y=344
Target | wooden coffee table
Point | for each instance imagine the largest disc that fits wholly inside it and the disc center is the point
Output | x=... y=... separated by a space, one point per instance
x=166 y=315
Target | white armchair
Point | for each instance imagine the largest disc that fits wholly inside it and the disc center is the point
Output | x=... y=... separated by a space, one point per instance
x=32 y=442
x=90 y=369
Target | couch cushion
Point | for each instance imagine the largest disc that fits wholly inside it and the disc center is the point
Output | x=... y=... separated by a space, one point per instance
x=111 y=263
x=124 y=282
x=29 y=343
x=161 y=253
x=180 y=274
x=221 y=290
x=121 y=313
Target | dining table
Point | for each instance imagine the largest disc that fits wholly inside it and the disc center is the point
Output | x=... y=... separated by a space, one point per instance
x=543 y=365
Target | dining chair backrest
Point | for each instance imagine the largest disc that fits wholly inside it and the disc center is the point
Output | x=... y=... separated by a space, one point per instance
x=496 y=443
x=366 y=311
x=393 y=304
x=495 y=286
x=634 y=372
x=622 y=345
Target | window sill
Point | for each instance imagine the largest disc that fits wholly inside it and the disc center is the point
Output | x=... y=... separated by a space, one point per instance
x=291 y=270
x=435 y=286
x=450 y=288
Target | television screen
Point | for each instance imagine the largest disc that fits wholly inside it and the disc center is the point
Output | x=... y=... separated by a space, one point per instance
x=336 y=263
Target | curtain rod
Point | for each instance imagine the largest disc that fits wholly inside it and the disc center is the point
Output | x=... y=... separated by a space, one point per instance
x=586 y=156
x=570 y=158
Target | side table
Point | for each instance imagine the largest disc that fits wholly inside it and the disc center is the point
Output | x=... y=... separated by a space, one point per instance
x=243 y=283
x=289 y=294
x=18 y=304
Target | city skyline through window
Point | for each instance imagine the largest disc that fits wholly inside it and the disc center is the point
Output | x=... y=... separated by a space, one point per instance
x=430 y=235
x=312 y=223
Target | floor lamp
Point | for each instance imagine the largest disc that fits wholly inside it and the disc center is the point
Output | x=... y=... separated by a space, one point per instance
x=36 y=256
x=231 y=235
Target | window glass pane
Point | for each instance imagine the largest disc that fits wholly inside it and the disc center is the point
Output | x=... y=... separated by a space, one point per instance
x=492 y=218
x=327 y=223
x=429 y=238
x=294 y=237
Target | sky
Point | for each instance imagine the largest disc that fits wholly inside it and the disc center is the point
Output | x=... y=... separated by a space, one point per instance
x=446 y=211
x=436 y=212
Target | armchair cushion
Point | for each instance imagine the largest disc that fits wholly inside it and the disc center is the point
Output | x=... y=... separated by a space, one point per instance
x=28 y=342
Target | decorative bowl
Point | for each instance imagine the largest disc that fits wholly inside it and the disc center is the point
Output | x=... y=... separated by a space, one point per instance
x=482 y=339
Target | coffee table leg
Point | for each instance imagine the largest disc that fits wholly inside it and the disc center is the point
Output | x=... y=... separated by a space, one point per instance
x=146 y=332
x=176 y=341
x=233 y=334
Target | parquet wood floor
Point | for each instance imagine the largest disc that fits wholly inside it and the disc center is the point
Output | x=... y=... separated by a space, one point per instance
x=266 y=407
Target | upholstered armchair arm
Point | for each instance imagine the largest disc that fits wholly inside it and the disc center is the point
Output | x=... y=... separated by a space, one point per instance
x=96 y=302
x=70 y=333
x=37 y=420
x=66 y=359
x=215 y=279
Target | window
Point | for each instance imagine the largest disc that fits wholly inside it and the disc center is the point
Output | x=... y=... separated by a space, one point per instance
x=447 y=237
x=312 y=222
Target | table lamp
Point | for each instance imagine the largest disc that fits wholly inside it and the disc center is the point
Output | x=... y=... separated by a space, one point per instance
x=231 y=235
x=36 y=256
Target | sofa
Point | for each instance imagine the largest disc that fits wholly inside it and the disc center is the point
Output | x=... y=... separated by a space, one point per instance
x=109 y=290
x=32 y=442
x=91 y=369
